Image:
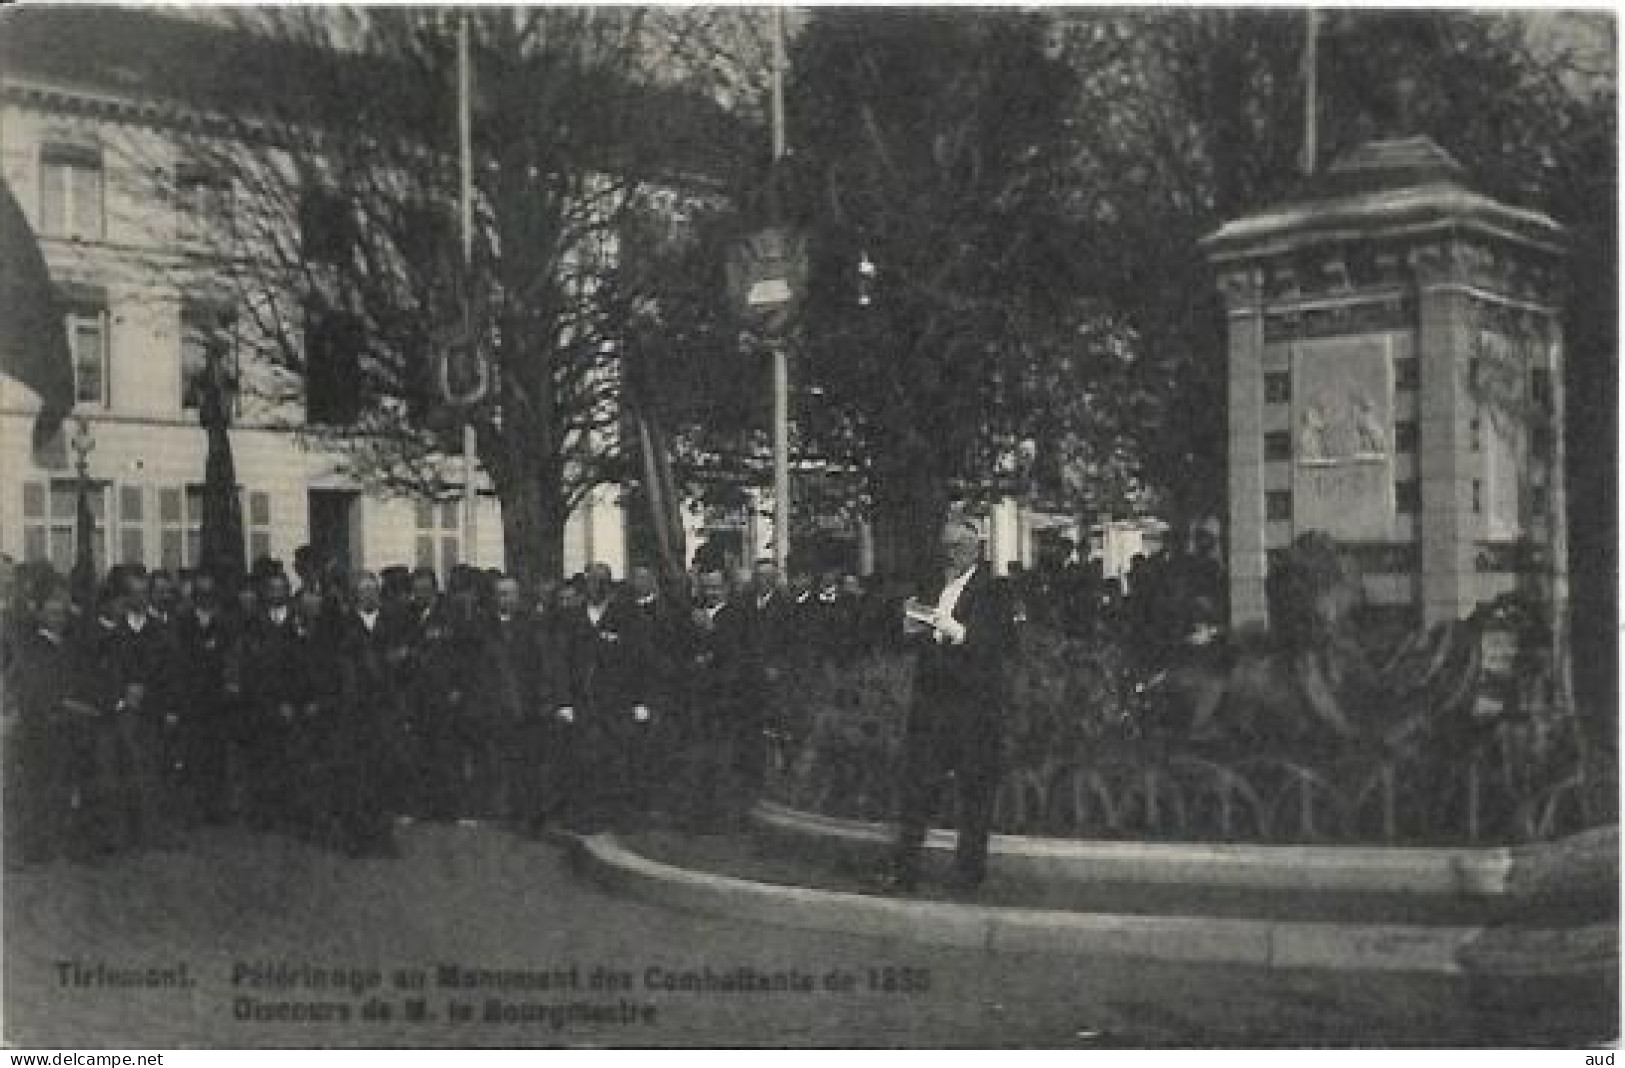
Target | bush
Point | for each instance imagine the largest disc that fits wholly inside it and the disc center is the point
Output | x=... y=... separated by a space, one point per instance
x=843 y=723
x=1089 y=754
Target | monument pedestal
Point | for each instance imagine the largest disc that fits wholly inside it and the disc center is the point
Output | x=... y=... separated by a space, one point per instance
x=1395 y=370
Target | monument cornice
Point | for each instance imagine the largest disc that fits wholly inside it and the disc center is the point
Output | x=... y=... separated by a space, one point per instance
x=1378 y=313
x=1306 y=302
x=1489 y=297
x=1409 y=214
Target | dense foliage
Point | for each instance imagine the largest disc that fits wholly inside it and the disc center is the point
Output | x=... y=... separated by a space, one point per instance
x=1092 y=750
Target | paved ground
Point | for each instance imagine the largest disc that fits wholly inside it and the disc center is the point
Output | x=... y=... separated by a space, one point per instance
x=232 y=904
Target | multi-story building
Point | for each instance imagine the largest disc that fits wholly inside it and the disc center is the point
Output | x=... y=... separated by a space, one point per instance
x=94 y=124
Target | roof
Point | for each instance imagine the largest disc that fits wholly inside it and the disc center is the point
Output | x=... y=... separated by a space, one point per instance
x=1396 y=185
x=156 y=64
x=135 y=53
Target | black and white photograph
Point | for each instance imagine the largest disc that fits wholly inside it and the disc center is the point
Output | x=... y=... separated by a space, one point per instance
x=865 y=527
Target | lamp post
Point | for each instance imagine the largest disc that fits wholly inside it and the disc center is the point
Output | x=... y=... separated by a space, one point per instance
x=767 y=274
x=781 y=359
x=83 y=580
x=465 y=153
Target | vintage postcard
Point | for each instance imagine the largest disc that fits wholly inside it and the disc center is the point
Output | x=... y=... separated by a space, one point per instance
x=892 y=527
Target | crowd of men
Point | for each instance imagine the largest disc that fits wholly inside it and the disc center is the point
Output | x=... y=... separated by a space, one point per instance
x=1162 y=601
x=327 y=705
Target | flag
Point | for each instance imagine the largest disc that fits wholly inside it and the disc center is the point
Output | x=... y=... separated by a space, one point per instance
x=221 y=553
x=33 y=341
x=661 y=493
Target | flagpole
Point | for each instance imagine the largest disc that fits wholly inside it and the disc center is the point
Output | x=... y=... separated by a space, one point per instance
x=465 y=151
x=1311 y=92
x=781 y=368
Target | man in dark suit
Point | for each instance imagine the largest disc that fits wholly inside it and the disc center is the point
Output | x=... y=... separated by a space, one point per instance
x=516 y=661
x=453 y=736
x=716 y=655
x=962 y=630
x=420 y=669
x=207 y=638
x=366 y=716
x=609 y=667
x=541 y=789
x=145 y=656
x=56 y=694
x=271 y=673
x=665 y=619
x=314 y=774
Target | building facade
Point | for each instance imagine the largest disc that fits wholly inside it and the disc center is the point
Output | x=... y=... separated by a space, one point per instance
x=100 y=167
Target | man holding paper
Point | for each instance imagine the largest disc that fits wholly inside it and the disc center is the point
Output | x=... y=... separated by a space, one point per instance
x=961 y=630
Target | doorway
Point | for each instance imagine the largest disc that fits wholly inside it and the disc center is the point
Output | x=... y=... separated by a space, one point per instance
x=335 y=527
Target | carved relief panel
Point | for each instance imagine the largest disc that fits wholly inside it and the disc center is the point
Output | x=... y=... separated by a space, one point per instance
x=1343 y=449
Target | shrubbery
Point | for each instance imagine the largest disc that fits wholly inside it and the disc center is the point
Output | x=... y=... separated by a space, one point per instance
x=843 y=722
x=1090 y=754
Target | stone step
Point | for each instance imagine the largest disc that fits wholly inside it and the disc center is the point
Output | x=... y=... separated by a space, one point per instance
x=1497 y=954
x=1571 y=881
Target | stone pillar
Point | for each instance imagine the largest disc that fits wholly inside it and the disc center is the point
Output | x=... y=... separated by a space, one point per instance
x=1445 y=448
x=1248 y=555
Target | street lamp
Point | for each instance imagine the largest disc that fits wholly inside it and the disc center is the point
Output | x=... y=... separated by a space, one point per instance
x=83 y=581
x=767 y=273
x=83 y=444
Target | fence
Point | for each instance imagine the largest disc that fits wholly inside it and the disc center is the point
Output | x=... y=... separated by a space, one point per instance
x=1524 y=780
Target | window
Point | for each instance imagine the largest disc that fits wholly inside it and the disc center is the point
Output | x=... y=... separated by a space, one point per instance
x=87 y=338
x=1278 y=445
x=205 y=200
x=180 y=526
x=1478 y=497
x=194 y=525
x=1407 y=496
x=71 y=191
x=437 y=535
x=49 y=523
x=1277 y=388
x=132 y=545
x=1278 y=506
x=333 y=343
x=206 y=326
x=1405 y=436
x=171 y=529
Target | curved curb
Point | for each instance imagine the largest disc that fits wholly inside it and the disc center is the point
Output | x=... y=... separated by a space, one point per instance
x=1438 y=950
x=1487 y=872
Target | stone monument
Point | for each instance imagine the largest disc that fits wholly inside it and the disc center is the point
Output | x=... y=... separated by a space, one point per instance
x=1395 y=381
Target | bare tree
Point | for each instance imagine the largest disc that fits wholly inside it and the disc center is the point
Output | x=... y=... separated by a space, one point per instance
x=345 y=249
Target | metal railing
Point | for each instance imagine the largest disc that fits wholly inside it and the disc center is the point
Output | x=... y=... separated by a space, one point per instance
x=1514 y=787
